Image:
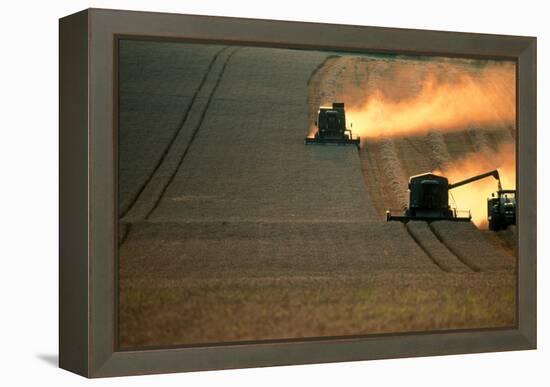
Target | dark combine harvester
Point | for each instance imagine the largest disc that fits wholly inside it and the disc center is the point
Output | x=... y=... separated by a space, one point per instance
x=429 y=198
x=331 y=127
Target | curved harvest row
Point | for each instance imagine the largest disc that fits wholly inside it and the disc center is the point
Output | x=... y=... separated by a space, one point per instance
x=237 y=231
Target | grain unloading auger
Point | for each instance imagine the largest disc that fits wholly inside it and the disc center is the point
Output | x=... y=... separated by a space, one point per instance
x=429 y=198
x=331 y=127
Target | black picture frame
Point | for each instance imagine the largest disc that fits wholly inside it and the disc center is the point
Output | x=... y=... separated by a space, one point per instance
x=88 y=221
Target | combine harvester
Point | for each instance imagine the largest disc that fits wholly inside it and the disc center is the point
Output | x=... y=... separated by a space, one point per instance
x=331 y=127
x=429 y=201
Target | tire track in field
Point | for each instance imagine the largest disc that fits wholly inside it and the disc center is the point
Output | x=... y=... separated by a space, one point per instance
x=466 y=261
x=424 y=248
x=439 y=252
x=123 y=236
x=157 y=184
x=469 y=244
x=194 y=133
x=170 y=143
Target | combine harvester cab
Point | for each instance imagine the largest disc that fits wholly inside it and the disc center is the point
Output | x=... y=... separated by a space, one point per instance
x=331 y=127
x=429 y=199
x=501 y=209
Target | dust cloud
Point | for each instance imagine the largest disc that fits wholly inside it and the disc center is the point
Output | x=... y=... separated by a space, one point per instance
x=483 y=98
x=473 y=196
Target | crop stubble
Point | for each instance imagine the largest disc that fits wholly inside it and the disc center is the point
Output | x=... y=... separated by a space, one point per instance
x=255 y=236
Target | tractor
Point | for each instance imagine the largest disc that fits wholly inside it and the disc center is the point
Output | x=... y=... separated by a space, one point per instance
x=501 y=209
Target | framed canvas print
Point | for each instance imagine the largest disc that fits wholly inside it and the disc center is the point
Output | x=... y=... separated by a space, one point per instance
x=241 y=193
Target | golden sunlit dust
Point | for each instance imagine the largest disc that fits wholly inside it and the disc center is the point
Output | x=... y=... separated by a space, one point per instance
x=473 y=196
x=480 y=99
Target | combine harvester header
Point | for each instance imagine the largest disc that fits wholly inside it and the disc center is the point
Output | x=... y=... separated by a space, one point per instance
x=331 y=127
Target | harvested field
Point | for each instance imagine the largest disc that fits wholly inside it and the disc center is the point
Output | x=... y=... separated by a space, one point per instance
x=232 y=230
x=152 y=107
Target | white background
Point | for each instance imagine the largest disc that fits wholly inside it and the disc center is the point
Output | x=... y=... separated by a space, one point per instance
x=29 y=181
